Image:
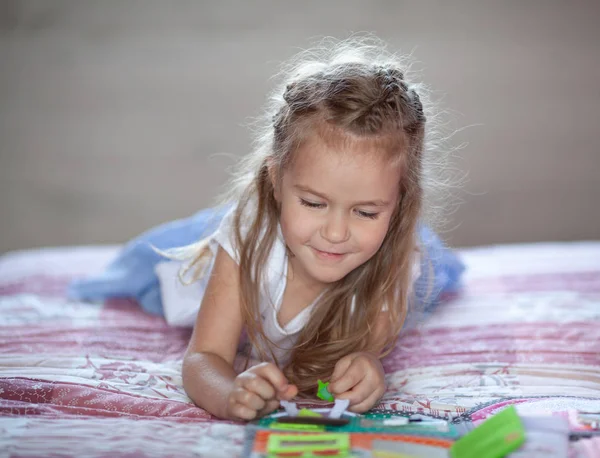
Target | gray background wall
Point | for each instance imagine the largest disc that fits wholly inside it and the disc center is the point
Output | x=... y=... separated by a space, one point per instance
x=113 y=114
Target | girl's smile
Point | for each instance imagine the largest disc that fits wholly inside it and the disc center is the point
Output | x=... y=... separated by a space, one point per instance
x=327 y=256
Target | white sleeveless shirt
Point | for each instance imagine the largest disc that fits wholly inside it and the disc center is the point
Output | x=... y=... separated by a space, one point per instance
x=182 y=302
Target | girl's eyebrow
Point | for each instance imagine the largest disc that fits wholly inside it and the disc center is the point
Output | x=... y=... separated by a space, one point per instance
x=366 y=203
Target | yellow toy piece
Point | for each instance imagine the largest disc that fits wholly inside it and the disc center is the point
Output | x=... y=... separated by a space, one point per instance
x=308 y=413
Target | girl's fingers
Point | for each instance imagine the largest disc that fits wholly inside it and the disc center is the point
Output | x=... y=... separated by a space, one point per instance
x=272 y=374
x=367 y=404
x=358 y=393
x=249 y=399
x=365 y=395
x=269 y=407
x=353 y=376
x=290 y=393
x=278 y=384
x=341 y=367
x=258 y=390
x=242 y=412
x=254 y=383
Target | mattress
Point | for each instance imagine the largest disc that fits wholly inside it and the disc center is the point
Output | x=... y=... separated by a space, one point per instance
x=104 y=379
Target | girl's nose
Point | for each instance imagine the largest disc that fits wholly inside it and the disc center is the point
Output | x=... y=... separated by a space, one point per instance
x=335 y=229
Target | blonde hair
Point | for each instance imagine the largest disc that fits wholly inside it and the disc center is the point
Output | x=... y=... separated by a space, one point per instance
x=354 y=89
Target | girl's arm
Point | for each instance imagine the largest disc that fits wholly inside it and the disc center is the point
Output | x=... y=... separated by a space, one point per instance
x=208 y=375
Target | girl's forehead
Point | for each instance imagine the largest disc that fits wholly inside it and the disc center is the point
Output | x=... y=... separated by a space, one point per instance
x=326 y=139
x=356 y=171
x=345 y=183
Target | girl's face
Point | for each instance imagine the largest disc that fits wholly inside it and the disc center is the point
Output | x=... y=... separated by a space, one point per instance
x=336 y=205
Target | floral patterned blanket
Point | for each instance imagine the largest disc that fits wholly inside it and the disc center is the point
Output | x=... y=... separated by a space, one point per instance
x=81 y=379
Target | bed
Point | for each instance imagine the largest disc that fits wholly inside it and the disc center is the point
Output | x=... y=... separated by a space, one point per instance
x=103 y=379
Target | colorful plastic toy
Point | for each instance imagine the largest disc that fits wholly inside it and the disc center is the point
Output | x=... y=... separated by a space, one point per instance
x=309 y=445
x=495 y=437
x=323 y=392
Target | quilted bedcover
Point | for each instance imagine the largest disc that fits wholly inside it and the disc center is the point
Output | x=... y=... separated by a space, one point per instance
x=103 y=379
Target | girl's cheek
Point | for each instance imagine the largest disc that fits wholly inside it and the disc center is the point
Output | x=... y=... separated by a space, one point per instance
x=304 y=226
x=372 y=239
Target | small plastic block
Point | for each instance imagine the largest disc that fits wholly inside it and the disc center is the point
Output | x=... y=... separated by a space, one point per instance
x=496 y=437
x=290 y=408
x=308 y=413
x=339 y=408
x=298 y=427
x=318 y=444
x=323 y=392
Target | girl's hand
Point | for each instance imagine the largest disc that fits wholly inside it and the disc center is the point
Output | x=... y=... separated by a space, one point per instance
x=358 y=377
x=257 y=392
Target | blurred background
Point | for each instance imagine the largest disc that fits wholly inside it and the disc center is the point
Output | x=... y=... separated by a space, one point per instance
x=117 y=115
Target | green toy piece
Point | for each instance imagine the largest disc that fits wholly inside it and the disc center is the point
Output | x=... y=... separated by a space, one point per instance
x=323 y=392
x=309 y=445
x=496 y=437
x=308 y=413
x=298 y=427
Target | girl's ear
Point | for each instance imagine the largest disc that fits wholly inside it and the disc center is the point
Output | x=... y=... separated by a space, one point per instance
x=274 y=177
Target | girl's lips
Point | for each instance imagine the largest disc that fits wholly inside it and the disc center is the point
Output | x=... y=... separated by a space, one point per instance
x=329 y=256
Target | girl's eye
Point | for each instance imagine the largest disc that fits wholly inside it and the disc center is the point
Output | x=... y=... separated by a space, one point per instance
x=368 y=215
x=308 y=204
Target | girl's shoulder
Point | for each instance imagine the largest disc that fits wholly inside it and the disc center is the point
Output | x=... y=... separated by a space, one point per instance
x=225 y=235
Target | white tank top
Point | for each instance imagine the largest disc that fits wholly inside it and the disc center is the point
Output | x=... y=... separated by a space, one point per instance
x=181 y=303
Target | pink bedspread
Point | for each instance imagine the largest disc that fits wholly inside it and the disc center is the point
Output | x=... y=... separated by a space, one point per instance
x=80 y=379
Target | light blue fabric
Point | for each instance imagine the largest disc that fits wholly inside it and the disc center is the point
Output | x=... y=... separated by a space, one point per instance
x=132 y=275
x=441 y=271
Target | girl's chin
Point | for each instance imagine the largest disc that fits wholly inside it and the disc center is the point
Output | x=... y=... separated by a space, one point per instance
x=327 y=277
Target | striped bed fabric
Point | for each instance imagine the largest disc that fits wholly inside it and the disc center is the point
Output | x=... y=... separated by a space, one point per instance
x=103 y=379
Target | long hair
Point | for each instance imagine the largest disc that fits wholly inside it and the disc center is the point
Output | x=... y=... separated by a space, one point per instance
x=354 y=89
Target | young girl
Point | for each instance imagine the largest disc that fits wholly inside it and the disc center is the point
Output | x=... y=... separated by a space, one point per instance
x=315 y=258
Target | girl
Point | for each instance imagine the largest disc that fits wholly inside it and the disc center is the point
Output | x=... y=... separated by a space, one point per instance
x=315 y=259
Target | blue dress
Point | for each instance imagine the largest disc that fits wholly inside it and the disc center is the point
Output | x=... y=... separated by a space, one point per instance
x=131 y=274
